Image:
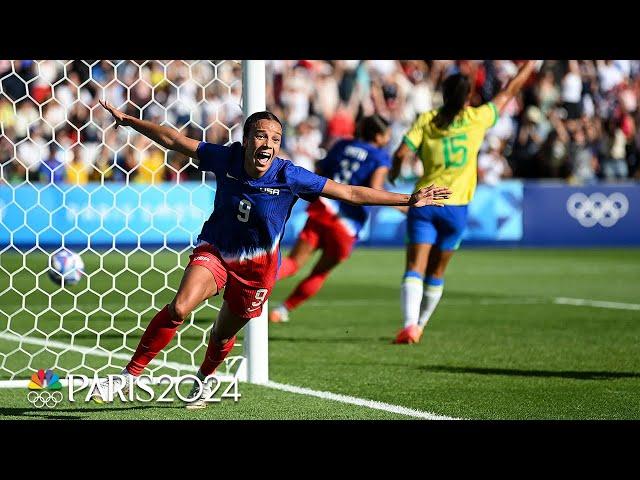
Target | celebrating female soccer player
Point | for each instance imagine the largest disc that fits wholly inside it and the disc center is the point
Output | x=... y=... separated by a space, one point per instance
x=334 y=226
x=447 y=141
x=239 y=245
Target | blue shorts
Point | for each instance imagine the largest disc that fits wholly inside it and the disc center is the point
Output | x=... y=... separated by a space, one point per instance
x=439 y=226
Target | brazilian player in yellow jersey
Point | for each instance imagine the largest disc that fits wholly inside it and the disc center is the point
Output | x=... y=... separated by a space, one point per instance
x=447 y=141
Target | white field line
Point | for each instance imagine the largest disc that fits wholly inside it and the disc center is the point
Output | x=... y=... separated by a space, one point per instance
x=583 y=302
x=95 y=351
x=278 y=386
x=387 y=407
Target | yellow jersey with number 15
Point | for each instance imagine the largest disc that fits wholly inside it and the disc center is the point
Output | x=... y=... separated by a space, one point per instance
x=450 y=156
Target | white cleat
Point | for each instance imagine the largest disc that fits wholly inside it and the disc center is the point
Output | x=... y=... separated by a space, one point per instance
x=100 y=395
x=196 y=398
x=279 y=315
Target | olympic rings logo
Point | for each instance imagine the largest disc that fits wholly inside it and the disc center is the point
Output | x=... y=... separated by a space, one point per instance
x=44 y=399
x=597 y=208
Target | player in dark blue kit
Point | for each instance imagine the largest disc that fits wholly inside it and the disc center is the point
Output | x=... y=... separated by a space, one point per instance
x=332 y=226
x=238 y=247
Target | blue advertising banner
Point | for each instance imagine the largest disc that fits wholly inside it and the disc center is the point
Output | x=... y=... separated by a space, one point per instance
x=561 y=215
x=113 y=214
x=123 y=215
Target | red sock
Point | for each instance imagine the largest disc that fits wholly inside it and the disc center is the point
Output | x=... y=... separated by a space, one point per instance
x=287 y=268
x=157 y=336
x=305 y=289
x=215 y=355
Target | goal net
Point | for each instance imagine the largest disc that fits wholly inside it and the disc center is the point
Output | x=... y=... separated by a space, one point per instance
x=129 y=208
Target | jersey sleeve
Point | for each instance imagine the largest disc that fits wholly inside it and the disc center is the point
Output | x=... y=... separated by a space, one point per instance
x=384 y=160
x=303 y=183
x=213 y=158
x=486 y=115
x=413 y=138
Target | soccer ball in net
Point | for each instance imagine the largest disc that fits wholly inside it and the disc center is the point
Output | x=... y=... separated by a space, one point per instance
x=67 y=267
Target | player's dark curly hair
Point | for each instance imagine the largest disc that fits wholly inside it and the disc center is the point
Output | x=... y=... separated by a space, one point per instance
x=455 y=90
x=370 y=126
x=255 y=118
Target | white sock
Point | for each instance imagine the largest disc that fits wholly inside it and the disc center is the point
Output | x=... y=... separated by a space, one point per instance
x=410 y=296
x=430 y=299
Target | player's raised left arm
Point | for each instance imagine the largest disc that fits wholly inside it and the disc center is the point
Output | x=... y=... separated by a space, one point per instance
x=356 y=195
x=164 y=136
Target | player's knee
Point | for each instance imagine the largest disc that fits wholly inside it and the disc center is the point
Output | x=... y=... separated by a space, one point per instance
x=180 y=310
x=219 y=339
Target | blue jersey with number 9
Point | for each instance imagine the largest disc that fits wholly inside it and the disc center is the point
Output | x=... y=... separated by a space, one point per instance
x=249 y=215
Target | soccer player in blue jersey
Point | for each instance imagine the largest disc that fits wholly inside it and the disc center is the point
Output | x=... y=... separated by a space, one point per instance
x=238 y=247
x=334 y=226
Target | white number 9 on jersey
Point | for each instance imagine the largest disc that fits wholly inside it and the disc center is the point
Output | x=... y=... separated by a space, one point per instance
x=260 y=295
x=245 y=208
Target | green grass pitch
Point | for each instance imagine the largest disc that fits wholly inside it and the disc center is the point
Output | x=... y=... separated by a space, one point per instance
x=498 y=347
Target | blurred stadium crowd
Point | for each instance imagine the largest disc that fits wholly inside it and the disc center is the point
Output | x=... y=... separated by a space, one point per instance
x=575 y=120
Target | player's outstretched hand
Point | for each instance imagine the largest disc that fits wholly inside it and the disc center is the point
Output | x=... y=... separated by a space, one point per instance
x=117 y=114
x=430 y=196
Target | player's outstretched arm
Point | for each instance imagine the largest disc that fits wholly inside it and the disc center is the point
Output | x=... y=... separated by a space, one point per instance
x=355 y=195
x=514 y=85
x=165 y=136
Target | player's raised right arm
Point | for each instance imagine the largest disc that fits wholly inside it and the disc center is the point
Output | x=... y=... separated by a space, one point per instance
x=514 y=85
x=165 y=136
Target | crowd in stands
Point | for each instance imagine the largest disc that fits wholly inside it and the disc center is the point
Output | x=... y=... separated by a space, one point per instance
x=575 y=120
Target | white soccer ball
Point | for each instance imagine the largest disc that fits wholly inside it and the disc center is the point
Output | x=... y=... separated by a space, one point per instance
x=67 y=268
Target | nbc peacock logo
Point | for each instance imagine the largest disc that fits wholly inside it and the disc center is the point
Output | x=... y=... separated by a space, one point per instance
x=45 y=389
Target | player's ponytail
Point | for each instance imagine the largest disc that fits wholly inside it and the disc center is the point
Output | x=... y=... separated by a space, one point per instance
x=455 y=90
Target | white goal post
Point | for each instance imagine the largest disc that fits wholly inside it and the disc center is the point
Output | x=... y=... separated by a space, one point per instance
x=129 y=208
x=256 y=338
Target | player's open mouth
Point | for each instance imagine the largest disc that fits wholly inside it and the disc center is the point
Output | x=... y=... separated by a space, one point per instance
x=263 y=158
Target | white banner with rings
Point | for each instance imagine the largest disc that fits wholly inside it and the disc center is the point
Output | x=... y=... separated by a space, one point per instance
x=597 y=208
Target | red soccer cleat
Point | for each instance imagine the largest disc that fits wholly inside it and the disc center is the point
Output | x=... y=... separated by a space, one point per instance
x=410 y=334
